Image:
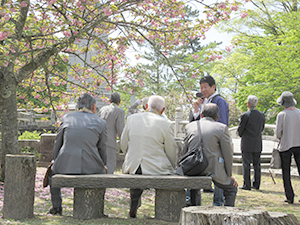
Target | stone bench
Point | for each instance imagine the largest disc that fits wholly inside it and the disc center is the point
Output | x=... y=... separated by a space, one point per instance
x=89 y=191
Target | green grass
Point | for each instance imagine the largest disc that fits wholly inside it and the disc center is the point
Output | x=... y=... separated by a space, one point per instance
x=270 y=198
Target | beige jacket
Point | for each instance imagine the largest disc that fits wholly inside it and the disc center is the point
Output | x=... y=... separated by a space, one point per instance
x=114 y=117
x=148 y=140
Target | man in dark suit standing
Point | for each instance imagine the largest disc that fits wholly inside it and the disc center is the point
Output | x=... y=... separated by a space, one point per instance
x=251 y=125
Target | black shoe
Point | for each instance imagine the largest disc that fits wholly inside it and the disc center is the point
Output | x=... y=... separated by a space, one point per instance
x=208 y=190
x=245 y=188
x=256 y=188
x=132 y=214
x=289 y=201
x=56 y=211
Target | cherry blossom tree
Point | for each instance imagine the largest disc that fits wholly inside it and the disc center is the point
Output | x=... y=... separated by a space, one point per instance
x=38 y=35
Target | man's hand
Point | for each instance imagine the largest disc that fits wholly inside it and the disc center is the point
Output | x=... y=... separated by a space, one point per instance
x=197 y=104
x=106 y=169
x=234 y=182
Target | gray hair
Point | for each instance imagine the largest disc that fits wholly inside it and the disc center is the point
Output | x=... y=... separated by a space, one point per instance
x=210 y=110
x=115 y=98
x=156 y=102
x=145 y=101
x=85 y=100
x=253 y=100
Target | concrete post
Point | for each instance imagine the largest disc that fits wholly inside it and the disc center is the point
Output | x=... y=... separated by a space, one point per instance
x=19 y=186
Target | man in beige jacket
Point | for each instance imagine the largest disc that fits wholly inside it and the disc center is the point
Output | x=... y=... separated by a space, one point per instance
x=149 y=144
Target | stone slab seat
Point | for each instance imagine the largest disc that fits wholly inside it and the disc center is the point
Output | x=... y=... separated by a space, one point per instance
x=89 y=191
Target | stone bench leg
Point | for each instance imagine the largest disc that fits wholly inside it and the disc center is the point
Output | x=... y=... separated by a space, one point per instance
x=88 y=203
x=168 y=204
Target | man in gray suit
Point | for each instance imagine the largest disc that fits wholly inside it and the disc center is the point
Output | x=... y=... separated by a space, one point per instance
x=114 y=117
x=251 y=125
x=80 y=146
x=217 y=148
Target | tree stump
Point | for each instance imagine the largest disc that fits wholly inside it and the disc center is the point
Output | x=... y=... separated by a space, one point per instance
x=19 y=186
x=211 y=215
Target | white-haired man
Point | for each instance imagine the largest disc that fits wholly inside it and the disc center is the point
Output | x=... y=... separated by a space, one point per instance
x=149 y=144
x=251 y=125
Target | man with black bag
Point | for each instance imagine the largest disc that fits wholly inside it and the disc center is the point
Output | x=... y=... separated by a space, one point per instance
x=217 y=149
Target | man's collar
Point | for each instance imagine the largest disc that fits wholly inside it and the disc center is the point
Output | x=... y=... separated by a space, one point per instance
x=152 y=110
x=210 y=97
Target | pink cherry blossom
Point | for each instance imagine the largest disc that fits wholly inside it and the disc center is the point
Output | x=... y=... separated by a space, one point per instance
x=107 y=11
x=46 y=110
x=67 y=33
x=23 y=4
x=6 y=17
x=234 y=7
x=37 y=96
x=243 y=15
x=195 y=56
x=228 y=49
x=3 y=35
x=51 y=2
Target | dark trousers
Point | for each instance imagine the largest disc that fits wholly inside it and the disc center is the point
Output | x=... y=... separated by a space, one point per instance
x=135 y=195
x=254 y=158
x=286 y=158
x=55 y=192
x=228 y=190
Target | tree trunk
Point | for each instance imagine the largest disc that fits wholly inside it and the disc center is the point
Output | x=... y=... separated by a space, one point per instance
x=212 y=215
x=8 y=117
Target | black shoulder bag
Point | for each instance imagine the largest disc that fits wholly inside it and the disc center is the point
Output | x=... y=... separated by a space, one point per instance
x=194 y=162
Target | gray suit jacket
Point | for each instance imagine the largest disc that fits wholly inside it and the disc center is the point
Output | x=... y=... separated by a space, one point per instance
x=114 y=117
x=217 y=147
x=80 y=144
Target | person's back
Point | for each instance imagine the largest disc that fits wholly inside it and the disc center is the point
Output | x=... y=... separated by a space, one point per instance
x=77 y=150
x=114 y=117
x=251 y=131
x=216 y=144
x=217 y=148
x=288 y=123
x=150 y=144
x=79 y=147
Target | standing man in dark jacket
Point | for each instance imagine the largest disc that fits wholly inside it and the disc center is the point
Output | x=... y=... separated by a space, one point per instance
x=251 y=125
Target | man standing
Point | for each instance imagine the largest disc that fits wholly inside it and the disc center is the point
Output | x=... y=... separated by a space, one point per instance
x=251 y=125
x=149 y=144
x=114 y=117
x=208 y=89
x=217 y=148
x=79 y=147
